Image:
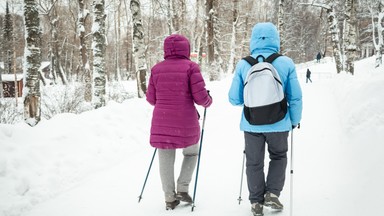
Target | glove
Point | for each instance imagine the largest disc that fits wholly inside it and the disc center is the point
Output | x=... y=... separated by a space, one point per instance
x=294 y=126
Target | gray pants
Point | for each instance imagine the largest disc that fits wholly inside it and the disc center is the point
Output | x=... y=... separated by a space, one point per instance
x=167 y=163
x=255 y=151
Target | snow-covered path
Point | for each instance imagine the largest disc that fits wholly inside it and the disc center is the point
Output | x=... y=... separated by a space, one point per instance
x=316 y=146
x=97 y=166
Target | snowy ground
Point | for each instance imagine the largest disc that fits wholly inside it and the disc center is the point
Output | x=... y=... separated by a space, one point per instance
x=94 y=164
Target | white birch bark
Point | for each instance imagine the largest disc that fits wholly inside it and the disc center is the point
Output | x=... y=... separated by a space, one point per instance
x=32 y=55
x=139 y=48
x=378 y=36
x=83 y=65
x=214 y=59
x=334 y=30
x=381 y=34
x=117 y=26
x=231 y=60
x=98 y=44
x=1 y=85
x=350 y=35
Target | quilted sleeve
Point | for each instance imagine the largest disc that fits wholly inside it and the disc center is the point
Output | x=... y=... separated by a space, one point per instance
x=151 y=91
x=198 y=90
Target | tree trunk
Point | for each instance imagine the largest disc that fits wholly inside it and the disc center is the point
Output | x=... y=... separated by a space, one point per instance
x=83 y=65
x=196 y=38
x=231 y=60
x=212 y=54
x=7 y=47
x=1 y=85
x=117 y=41
x=350 y=35
x=378 y=35
x=381 y=32
x=169 y=16
x=210 y=34
x=139 y=48
x=32 y=100
x=99 y=80
x=334 y=30
x=218 y=63
x=178 y=11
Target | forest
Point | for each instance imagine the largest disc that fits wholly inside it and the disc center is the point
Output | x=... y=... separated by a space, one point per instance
x=75 y=55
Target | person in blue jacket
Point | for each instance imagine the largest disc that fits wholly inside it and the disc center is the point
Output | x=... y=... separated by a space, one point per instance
x=263 y=191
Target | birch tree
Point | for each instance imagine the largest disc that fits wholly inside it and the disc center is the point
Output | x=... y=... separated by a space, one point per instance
x=32 y=55
x=117 y=28
x=350 y=35
x=333 y=27
x=335 y=37
x=199 y=32
x=378 y=33
x=1 y=85
x=139 y=48
x=235 y=24
x=213 y=38
x=98 y=44
x=83 y=65
x=179 y=11
x=210 y=34
x=50 y=11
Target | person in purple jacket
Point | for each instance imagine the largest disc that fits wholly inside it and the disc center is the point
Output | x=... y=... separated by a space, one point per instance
x=175 y=86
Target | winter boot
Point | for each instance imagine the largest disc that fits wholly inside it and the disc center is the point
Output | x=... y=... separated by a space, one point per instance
x=171 y=205
x=271 y=200
x=257 y=209
x=183 y=196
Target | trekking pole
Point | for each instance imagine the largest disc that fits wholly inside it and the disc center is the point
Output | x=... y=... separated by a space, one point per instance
x=241 y=179
x=198 y=160
x=291 y=179
x=146 y=178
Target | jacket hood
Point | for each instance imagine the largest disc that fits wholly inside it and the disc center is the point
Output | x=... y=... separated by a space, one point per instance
x=177 y=46
x=265 y=37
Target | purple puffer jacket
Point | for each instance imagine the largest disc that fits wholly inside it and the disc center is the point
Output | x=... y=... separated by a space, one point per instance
x=175 y=85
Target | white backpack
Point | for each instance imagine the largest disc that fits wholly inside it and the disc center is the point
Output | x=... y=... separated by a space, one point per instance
x=264 y=98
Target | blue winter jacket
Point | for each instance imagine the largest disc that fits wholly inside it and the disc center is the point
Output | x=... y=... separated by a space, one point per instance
x=265 y=40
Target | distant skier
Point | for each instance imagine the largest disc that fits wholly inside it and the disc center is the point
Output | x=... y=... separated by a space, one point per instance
x=308 y=76
x=175 y=86
x=318 y=57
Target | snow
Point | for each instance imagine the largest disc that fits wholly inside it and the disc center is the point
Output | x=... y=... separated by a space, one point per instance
x=11 y=77
x=95 y=163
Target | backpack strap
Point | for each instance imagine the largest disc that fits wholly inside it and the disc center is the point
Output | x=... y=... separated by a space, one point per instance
x=272 y=57
x=252 y=61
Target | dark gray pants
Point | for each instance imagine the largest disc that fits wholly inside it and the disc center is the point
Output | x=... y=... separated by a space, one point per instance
x=255 y=151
